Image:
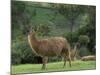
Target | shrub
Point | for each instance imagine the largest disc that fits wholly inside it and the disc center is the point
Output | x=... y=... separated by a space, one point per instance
x=21 y=53
x=83 y=51
x=84 y=39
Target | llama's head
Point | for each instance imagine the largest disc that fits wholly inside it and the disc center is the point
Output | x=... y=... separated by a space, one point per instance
x=32 y=33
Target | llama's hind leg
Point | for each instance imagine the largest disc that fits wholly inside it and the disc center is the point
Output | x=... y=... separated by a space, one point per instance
x=44 y=61
x=69 y=59
x=65 y=59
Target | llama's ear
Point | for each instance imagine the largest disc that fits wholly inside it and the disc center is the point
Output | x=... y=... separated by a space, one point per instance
x=37 y=29
x=31 y=28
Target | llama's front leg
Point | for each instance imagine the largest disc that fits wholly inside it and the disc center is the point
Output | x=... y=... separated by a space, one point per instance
x=44 y=61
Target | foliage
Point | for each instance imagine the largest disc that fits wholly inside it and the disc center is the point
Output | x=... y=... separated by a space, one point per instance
x=21 y=53
x=83 y=39
x=72 y=37
x=89 y=30
x=71 y=13
x=15 y=56
x=83 y=51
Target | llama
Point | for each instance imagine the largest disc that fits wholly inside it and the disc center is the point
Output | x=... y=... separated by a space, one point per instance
x=54 y=46
x=88 y=58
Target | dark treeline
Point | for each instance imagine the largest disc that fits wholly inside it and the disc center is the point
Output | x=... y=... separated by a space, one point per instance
x=74 y=22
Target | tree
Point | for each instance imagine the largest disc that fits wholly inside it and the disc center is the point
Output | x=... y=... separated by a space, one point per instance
x=90 y=28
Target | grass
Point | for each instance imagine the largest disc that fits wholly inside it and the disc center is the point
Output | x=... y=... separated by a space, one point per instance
x=57 y=66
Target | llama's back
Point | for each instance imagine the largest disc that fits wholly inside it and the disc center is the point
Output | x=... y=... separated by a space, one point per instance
x=52 y=46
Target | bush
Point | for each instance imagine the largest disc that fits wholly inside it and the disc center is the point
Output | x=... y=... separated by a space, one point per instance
x=83 y=51
x=15 y=54
x=84 y=39
x=21 y=53
x=72 y=37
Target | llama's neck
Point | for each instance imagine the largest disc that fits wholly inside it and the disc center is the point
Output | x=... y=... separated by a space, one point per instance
x=34 y=43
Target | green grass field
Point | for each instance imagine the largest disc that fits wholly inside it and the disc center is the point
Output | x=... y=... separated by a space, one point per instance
x=57 y=66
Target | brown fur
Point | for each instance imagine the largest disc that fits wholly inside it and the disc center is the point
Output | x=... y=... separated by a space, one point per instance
x=45 y=48
x=88 y=58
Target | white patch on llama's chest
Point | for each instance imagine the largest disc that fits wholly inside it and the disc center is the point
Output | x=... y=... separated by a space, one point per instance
x=29 y=40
